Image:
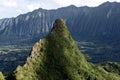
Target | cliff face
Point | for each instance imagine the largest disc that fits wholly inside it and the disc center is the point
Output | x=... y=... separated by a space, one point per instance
x=85 y=23
x=56 y=57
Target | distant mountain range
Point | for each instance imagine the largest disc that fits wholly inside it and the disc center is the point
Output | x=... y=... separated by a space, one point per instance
x=100 y=24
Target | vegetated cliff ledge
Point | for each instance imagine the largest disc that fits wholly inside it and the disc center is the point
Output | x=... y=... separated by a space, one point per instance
x=56 y=57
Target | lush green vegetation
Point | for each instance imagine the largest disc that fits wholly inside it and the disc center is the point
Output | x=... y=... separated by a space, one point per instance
x=1 y=76
x=112 y=67
x=56 y=57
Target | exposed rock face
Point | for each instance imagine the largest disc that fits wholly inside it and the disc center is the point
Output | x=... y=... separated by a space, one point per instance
x=56 y=57
x=85 y=23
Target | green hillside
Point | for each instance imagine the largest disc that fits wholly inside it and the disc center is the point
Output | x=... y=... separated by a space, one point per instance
x=112 y=67
x=56 y=57
x=1 y=76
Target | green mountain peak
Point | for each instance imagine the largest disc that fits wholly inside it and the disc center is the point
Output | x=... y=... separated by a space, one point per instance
x=56 y=57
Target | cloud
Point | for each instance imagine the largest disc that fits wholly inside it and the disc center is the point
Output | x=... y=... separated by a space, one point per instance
x=8 y=4
x=31 y=7
x=82 y=2
x=68 y=2
x=19 y=10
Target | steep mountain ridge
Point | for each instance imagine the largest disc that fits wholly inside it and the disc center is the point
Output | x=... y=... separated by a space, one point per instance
x=56 y=57
x=90 y=23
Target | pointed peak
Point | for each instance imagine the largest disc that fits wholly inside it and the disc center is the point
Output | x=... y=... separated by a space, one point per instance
x=59 y=23
x=108 y=3
x=72 y=6
x=105 y=3
x=56 y=57
x=59 y=20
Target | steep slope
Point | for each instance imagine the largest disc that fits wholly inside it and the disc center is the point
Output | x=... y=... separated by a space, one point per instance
x=111 y=67
x=56 y=57
x=1 y=76
x=90 y=23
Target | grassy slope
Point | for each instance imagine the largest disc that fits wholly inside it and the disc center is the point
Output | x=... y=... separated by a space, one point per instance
x=56 y=57
x=1 y=76
x=112 y=67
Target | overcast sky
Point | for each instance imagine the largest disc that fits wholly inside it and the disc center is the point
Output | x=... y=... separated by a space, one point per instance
x=12 y=8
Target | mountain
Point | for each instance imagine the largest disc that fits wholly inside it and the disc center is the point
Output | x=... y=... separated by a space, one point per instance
x=56 y=57
x=96 y=30
x=99 y=24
